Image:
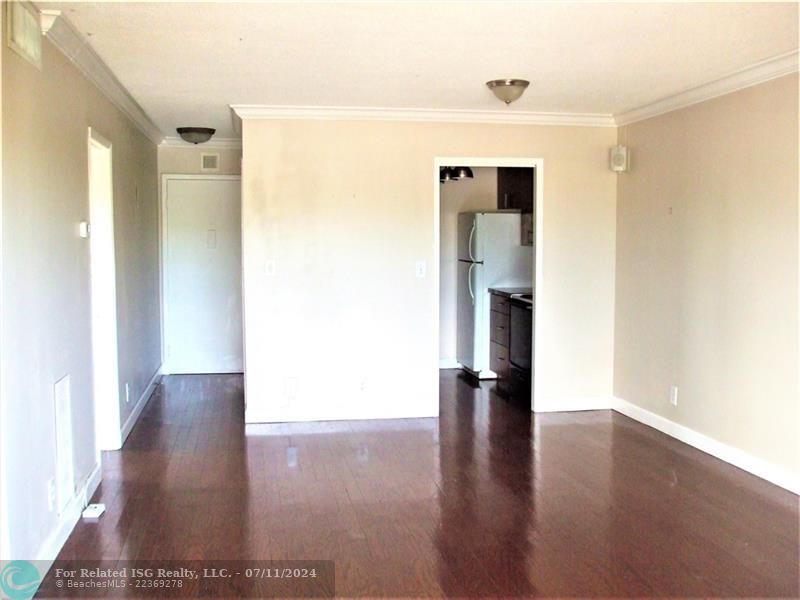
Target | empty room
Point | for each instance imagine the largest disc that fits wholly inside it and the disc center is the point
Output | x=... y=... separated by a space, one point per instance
x=399 y=299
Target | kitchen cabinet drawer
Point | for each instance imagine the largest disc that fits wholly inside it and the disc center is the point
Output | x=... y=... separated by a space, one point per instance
x=498 y=360
x=501 y=304
x=499 y=327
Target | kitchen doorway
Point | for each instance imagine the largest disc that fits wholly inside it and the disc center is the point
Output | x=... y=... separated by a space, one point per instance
x=202 y=274
x=498 y=211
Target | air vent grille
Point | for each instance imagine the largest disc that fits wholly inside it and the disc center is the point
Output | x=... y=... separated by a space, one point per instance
x=209 y=162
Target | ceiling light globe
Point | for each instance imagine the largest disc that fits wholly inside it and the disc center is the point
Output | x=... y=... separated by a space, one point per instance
x=508 y=90
x=196 y=135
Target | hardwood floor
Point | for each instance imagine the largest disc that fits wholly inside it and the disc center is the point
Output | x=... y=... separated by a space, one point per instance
x=488 y=500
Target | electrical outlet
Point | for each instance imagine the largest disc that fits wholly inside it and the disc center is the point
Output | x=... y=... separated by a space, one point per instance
x=51 y=494
x=421 y=269
x=291 y=457
x=673 y=395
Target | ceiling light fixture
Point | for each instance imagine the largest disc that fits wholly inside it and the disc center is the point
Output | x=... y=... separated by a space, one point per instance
x=446 y=174
x=462 y=173
x=508 y=90
x=454 y=174
x=196 y=135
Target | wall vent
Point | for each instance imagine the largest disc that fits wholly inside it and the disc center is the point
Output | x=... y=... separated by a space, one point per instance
x=65 y=479
x=209 y=162
x=24 y=32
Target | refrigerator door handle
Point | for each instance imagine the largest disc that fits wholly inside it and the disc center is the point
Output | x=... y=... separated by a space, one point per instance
x=469 y=243
x=469 y=283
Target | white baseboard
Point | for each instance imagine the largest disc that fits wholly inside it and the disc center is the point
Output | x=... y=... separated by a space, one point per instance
x=546 y=405
x=69 y=518
x=449 y=363
x=140 y=404
x=739 y=458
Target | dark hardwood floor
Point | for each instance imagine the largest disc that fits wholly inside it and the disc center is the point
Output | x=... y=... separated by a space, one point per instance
x=488 y=500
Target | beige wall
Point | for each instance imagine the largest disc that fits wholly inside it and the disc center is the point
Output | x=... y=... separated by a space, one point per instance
x=185 y=160
x=707 y=269
x=335 y=216
x=45 y=280
x=479 y=193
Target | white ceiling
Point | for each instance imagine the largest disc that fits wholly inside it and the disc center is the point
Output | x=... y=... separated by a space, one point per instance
x=185 y=63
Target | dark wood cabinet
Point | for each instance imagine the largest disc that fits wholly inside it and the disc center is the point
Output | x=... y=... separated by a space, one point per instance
x=498 y=350
x=515 y=188
x=515 y=191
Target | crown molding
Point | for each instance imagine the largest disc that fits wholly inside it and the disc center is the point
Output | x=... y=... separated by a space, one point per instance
x=71 y=43
x=763 y=71
x=348 y=113
x=172 y=141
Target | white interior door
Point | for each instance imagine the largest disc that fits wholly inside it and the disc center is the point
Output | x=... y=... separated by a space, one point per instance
x=203 y=275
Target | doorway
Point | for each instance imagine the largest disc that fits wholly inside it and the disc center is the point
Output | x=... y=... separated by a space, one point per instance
x=105 y=356
x=202 y=274
x=497 y=173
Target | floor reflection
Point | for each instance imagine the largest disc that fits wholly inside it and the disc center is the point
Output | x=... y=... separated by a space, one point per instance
x=487 y=500
x=486 y=497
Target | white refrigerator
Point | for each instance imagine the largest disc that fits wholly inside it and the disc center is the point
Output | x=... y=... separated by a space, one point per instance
x=489 y=255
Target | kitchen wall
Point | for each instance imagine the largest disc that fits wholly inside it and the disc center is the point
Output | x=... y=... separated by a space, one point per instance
x=185 y=160
x=479 y=193
x=336 y=214
x=707 y=270
x=45 y=279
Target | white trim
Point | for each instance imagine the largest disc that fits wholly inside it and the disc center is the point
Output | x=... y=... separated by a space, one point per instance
x=130 y=422
x=734 y=456
x=166 y=368
x=106 y=360
x=54 y=542
x=172 y=141
x=763 y=71
x=95 y=136
x=57 y=28
x=449 y=363
x=364 y=113
x=547 y=405
x=538 y=273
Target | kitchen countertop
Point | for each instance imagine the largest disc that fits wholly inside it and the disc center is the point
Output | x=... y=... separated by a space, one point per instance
x=508 y=291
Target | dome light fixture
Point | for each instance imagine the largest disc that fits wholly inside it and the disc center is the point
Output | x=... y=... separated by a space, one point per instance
x=454 y=174
x=462 y=173
x=508 y=90
x=446 y=174
x=196 y=135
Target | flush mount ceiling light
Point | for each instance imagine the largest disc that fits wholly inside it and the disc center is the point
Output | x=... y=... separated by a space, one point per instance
x=196 y=135
x=508 y=90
